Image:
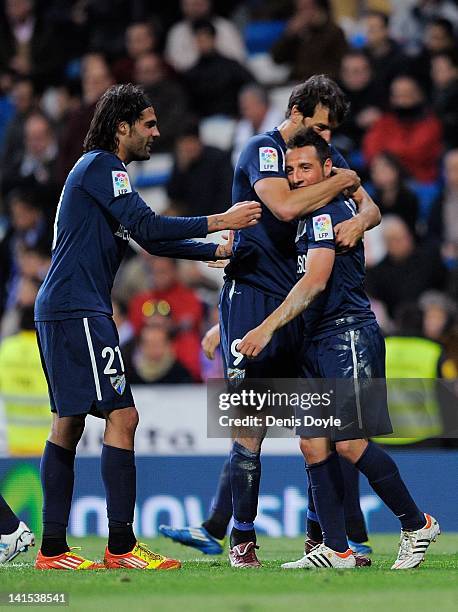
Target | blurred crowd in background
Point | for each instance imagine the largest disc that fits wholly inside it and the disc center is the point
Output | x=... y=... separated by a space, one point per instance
x=218 y=72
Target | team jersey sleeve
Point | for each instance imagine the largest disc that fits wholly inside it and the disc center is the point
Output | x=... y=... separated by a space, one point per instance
x=262 y=157
x=107 y=182
x=180 y=249
x=338 y=160
x=320 y=225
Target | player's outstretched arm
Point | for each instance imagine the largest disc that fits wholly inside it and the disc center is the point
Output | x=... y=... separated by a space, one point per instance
x=189 y=249
x=287 y=205
x=182 y=249
x=132 y=212
x=319 y=268
x=350 y=232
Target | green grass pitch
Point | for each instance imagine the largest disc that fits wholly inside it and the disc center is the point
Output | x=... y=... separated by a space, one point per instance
x=208 y=583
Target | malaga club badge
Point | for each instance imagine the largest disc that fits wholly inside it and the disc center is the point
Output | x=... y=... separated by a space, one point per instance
x=118 y=383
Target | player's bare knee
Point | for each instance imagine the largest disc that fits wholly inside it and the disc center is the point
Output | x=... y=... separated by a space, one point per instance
x=351 y=450
x=67 y=431
x=131 y=420
x=123 y=420
x=252 y=444
x=314 y=450
x=347 y=450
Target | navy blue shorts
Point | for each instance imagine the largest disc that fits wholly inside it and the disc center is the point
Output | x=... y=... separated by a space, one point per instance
x=83 y=366
x=242 y=308
x=353 y=358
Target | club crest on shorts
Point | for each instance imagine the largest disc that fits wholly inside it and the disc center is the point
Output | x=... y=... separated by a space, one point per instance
x=118 y=383
x=235 y=376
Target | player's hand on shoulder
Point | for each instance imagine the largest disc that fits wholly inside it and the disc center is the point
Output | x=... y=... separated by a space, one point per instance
x=349 y=233
x=350 y=180
x=210 y=341
x=254 y=342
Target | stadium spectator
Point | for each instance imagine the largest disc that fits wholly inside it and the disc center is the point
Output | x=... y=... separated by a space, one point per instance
x=24 y=101
x=439 y=314
x=410 y=20
x=385 y=54
x=406 y=271
x=201 y=178
x=438 y=38
x=392 y=193
x=95 y=79
x=415 y=412
x=150 y=360
x=227 y=76
x=169 y=296
x=29 y=228
x=443 y=217
x=355 y=80
x=123 y=325
x=181 y=50
x=6 y=105
x=444 y=75
x=312 y=42
x=140 y=38
x=257 y=115
x=102 y=24
x=167 y=95
x=409 y=130
x=36 y=42
x=37 y=166
x=24 y=389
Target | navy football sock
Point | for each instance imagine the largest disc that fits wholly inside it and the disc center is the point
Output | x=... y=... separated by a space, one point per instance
x=313 y=528
x=355 y=524
x=245 y=466
x=119 y=478
x=383 y=476
x=9 y=522
x=328 y=494
x=57 y=476
x=221 y=510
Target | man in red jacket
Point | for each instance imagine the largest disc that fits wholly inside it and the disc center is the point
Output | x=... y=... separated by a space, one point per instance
x=170 y=297
x=409 y=130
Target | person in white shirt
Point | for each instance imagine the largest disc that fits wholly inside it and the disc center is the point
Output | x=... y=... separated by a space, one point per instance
x=180 y=49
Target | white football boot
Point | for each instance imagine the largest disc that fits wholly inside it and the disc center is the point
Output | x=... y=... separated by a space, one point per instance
x=323 y=557
x=414 y=544
x=14 y=543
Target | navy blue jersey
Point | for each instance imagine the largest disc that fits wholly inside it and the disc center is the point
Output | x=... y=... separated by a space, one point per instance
x=98 y=212
x=343 y=304
x=264 y=255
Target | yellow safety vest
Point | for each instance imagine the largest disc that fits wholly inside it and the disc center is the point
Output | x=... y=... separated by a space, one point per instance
x=24 y=394
x=414 y=409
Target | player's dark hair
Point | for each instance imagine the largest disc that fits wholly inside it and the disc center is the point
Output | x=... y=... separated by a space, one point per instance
x=319 y=89
x=309 y=138
x=119 y=103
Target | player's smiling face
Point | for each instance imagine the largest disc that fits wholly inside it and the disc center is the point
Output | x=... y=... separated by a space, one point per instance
x=303 y=167
x=141 y=135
